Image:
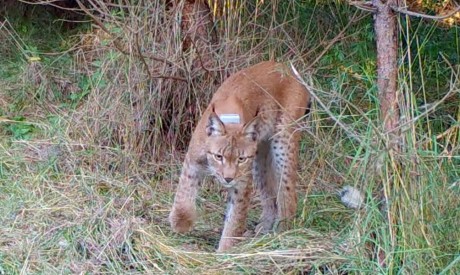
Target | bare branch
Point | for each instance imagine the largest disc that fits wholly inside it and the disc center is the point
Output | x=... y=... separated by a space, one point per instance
x=178 y=78
x=454 y=89
x=368 y=6
x=312 y=92
x=141 y=57
x=404 y=10
x=49 y=3
x=429 y=110
x=363 y=5
x=117 y=43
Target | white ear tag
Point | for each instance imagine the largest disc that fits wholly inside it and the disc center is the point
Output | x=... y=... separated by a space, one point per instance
x=230 y=118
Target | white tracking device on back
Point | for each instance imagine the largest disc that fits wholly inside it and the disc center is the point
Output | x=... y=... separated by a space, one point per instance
x=230 y=118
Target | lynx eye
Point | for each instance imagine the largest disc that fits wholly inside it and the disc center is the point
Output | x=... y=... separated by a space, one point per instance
x=242 y=159
x=218 y=157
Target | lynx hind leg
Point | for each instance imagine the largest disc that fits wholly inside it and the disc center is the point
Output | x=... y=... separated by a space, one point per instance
x=267 y=192
x=183 y=212
x=284 y=156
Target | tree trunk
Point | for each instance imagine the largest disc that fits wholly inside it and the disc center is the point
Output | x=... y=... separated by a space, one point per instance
x=386 y=35
x=198 y=32
x=386 y=32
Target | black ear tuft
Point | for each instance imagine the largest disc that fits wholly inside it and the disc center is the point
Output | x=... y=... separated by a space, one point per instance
x=251 y=129
x=215 y=126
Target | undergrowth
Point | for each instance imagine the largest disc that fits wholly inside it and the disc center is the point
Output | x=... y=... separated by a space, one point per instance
x=92 y=143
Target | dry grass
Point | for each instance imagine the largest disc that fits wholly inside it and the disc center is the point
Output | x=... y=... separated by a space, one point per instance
x=92 y=142
x=65 y=210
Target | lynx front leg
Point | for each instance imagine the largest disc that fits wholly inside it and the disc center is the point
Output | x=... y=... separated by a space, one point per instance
x=183 y=213
x=236 y=215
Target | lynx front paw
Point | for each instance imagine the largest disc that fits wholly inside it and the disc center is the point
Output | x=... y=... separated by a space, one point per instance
x=226 y=243
x=182 y=219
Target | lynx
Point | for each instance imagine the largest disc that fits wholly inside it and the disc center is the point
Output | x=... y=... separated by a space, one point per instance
x=247 y=134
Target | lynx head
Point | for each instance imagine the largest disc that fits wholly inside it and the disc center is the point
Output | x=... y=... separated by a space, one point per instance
x=231 y=148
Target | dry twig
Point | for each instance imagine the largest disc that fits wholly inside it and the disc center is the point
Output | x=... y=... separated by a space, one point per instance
x=119 y=47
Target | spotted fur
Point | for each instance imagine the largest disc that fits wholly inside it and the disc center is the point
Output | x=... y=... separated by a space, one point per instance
x=259 y=152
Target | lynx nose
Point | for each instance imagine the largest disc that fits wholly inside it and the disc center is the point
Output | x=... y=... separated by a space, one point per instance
x=228 y=180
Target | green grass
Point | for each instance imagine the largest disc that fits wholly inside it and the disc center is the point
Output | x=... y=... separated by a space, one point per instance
x=91 y=148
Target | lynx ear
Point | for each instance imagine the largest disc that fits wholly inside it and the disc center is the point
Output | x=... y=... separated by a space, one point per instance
x=251 y=129
x=215 y=126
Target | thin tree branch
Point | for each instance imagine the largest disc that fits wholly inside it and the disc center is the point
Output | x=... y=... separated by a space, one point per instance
x=141 y=57
x=119 y=47
x=427 y=111
x=453 y=90
x=116 y=41
x=49 y=3
x=170 y=77
x=404 y=10
x=363 y=5
x=368 y=6
x=312 y=92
